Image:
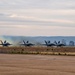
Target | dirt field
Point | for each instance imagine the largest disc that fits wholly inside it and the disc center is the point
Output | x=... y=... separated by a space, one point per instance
x=15 y=64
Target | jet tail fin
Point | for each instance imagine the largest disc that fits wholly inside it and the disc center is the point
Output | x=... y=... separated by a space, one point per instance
x=1 y=41
x=27 y=42
x=24 y=42
x=46 y=42
x=5 y=41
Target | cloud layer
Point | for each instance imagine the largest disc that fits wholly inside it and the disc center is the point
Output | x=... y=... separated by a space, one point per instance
x=37 y=17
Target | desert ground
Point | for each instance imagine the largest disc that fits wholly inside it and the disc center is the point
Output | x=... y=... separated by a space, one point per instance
x=18 y=64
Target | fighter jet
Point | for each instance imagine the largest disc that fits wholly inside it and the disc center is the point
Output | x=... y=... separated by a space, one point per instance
x=5 y=43
x=59 y=44
x=27 y=43
x=48 y=43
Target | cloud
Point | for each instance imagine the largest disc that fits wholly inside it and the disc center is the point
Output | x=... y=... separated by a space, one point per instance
x=31 y=19
x=35 y=15
x=34 y=30
x=47 y=4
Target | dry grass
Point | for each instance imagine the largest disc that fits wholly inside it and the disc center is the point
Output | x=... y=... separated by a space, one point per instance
x=39 y=50
x=36 y=65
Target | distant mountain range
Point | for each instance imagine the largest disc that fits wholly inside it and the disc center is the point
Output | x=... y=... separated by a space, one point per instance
x=36 y=39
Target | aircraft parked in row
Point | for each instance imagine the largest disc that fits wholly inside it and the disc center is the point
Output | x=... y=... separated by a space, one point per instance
x=27 y=43
x=48 y=43
x=58 y=44
x=5 y=43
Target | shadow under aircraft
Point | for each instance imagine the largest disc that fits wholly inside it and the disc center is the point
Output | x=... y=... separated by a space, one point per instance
x=5 y=43
x=27 y=43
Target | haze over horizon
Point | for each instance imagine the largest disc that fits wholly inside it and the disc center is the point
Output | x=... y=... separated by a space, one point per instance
x=37 y=17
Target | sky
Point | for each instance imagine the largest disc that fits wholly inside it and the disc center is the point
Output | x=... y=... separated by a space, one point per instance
x=37 y=17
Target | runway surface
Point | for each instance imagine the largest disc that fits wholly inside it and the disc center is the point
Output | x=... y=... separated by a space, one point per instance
x=17 y=64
